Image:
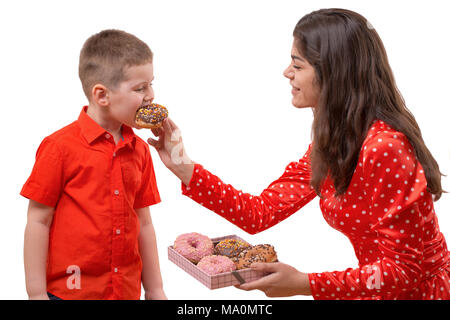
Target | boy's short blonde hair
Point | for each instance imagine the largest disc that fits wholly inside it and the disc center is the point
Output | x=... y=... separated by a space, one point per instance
x=105 y=56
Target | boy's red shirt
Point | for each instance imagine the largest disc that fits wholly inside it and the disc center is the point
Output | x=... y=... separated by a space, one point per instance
x=95 y=187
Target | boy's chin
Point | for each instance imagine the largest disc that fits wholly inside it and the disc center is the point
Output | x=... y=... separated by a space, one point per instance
x=132 y=125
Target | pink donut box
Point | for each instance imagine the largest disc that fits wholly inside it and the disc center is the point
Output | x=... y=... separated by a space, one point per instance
x=219 y=280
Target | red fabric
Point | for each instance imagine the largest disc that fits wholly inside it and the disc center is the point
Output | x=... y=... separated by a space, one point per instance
x=387 y=214
x=95 y=187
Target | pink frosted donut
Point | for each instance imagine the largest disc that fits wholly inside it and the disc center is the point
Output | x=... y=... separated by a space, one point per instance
x=216 y=264
x=193 y=246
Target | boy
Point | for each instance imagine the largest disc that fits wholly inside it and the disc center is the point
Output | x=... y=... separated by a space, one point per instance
x=89 y=233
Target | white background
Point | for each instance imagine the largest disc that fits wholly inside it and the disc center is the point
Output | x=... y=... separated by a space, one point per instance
x=218 y=68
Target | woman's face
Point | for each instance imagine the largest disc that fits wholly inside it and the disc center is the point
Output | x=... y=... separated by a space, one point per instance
x=305 y=91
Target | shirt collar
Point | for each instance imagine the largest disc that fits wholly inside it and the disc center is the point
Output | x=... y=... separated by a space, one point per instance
x=91 y=130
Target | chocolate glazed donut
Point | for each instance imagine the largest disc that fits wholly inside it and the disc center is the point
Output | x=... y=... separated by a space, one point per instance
x=231 y=248
x=258 y=253
x=151 y=116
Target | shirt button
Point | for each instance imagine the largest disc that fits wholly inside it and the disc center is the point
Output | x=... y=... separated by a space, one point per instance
x=107 y=136
x=114 y=154
x=116 y=192
x=115 y=269
x=118 y=231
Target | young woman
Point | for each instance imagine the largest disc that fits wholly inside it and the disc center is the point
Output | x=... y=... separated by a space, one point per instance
x=367 y=162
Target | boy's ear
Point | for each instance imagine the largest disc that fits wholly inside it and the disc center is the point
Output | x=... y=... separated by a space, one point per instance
x=100 y=95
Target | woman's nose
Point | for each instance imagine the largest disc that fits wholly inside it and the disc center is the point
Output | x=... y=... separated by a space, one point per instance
x=288 y=73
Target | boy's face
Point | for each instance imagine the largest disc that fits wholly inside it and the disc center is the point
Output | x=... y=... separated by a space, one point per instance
x=135 y=91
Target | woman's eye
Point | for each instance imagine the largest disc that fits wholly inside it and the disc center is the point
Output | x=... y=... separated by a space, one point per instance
x=297 y=67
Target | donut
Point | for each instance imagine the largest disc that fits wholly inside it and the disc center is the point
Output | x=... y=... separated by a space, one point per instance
x=215 y=264
x=151 y=116
x=258 y=253
x=193 y=246
x=231 y=248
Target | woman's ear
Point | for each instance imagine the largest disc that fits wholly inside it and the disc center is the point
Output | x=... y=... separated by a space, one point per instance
x=100 y=95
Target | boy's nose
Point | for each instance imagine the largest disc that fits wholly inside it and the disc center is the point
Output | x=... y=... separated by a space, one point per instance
x=149 y=97
x=148 y=100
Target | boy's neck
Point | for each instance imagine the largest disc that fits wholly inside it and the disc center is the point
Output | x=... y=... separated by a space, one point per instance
x=104 y=120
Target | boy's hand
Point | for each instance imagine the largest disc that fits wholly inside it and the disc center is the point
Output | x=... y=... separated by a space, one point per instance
x=171 y=150
x=155 y=295
x=43 y=296
x=35 y=249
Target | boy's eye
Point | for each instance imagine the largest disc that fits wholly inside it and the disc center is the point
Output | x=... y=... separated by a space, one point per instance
x=143 y=88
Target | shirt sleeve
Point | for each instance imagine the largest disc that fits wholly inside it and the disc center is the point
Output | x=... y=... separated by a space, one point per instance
x=396 y=183
x=46 y=181
x=251 y=213
x=148 y=193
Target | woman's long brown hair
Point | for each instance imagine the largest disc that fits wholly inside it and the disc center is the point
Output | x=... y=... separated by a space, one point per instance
x=357 y=87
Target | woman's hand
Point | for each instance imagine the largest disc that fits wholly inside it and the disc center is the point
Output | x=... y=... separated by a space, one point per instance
x=171 y=150
x=283 y=280
x=169 y=145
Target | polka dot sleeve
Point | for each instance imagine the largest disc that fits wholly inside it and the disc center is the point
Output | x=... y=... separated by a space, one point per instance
x=251 y=213
x=395 y=188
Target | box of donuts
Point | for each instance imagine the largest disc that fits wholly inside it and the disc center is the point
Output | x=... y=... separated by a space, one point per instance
x=219 y=262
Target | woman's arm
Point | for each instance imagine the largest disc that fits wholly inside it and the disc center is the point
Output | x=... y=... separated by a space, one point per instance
x=253 y=214
x=184 y=172
x=36 y=249
x=151 y=273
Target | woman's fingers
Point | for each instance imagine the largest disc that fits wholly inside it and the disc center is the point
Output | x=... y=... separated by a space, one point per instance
x=166 y=125
x=156 y=132
x=172 y=124
x=154 y=143
x=261 y=283
x=266 y=267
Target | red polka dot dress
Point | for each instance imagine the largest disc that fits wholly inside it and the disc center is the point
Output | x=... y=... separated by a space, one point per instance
x=386 y=212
